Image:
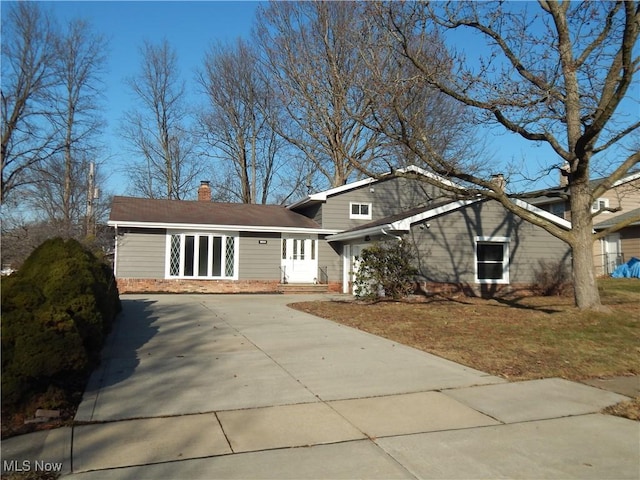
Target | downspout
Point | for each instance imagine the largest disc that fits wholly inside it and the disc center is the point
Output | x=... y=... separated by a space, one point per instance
x=115 y=254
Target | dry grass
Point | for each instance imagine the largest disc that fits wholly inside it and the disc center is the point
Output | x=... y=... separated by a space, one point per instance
x=518 y=338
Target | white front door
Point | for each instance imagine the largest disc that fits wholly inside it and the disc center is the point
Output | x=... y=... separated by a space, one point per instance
x=299 y=259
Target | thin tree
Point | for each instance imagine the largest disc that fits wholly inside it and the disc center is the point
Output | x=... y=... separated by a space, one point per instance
x=236 y=127
x=28 y=60
x=80 y=63
x=310 y=52
x=557 y=76
x=159 y=129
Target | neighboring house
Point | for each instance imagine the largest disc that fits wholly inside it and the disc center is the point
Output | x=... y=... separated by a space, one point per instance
x=200 y=246
x=616 y=248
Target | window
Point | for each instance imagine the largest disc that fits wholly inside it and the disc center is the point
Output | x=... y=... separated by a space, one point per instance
x=361 y=211
x=200 y=255
x=492 y=260
x=599 y=204
x=557 y=209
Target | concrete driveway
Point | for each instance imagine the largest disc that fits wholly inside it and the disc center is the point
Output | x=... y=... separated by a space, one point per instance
x=203 y=386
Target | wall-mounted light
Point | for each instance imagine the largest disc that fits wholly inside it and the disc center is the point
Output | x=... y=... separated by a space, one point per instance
x=262 y=242
x=372 y=189
x=367 y=238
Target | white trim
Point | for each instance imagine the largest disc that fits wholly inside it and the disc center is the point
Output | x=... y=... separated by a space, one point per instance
x=221 y=228
x=543 y=213
x=359 y=216
x=629 y=178
x=405 y=223
x=339 y=237
x=346 y=265
x=506 y=260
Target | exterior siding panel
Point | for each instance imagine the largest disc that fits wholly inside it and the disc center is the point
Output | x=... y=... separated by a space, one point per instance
x=259 y=261
x=330 y=260
x=141 y=253
x=388 y=198
x=446 y=248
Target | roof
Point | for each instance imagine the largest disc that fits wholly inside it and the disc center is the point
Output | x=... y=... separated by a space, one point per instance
x=611 y=221
x=559 y=193
x=131 y=211
x=322 y=196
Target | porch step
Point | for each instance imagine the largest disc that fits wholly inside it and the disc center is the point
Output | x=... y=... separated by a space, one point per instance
x=303 y=288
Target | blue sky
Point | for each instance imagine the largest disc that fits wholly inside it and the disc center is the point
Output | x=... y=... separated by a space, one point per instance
x=190 y=27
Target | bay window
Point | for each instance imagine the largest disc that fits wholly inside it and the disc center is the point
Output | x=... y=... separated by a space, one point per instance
x=202 y=255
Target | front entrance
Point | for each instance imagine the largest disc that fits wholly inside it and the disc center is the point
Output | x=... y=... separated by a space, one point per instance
x=299 y=259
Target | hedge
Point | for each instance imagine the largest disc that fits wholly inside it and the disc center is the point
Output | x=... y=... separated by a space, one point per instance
x=56 y=312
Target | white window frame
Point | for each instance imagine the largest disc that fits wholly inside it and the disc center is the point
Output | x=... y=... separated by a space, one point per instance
x=359 y=216
x=595 y=206
x=210 y=235
x=504 y=241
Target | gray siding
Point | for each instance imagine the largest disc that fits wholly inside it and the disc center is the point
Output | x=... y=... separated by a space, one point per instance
x=446 y=248
x=330 y=259
x=141 y=253
x=388 y=198
x=259 y=261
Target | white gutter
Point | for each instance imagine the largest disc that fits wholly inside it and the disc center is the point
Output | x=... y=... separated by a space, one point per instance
x=339 y=237
x=234 y=228
x=391 y=235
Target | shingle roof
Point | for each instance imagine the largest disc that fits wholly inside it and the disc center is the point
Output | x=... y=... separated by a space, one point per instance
x=618 y=218
x=145 y=210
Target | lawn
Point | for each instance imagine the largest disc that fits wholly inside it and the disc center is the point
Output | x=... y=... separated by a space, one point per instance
x=519 y=338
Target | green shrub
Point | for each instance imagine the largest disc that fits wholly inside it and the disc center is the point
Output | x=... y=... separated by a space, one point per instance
x=385 y=270
x=56 y=312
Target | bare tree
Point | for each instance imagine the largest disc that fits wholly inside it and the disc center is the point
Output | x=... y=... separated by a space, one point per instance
x=236 y=125
x=311 y=53
x=556 y=76
x=80 y=62
x=28 y=60
x=159 y=130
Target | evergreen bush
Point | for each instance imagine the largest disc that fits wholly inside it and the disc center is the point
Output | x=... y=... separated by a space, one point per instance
x=385 y=270
x=56 y=312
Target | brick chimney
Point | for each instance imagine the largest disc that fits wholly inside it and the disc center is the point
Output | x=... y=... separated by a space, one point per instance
x=564 y=174
x=204 y=191
x=499 y=181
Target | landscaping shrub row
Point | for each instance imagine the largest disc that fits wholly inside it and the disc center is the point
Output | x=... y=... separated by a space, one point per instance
x=56 y=312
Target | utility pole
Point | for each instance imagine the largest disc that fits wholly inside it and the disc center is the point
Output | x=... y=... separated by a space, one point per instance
x=92 y=194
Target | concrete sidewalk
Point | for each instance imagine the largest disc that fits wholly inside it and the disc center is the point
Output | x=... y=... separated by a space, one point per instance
x=243 y=387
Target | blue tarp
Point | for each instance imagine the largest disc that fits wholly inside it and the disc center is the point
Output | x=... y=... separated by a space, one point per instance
x=631 y=269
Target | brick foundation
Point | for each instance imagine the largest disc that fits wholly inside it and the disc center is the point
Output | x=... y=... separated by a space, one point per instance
x=152 y=285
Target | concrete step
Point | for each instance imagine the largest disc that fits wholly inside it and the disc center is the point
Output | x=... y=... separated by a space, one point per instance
x=303 y=288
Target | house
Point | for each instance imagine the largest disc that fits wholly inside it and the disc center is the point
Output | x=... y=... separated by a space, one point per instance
x=624 y=197
x=201 y=246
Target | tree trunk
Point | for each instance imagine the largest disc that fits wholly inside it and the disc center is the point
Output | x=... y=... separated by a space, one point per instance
x=585 y=286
